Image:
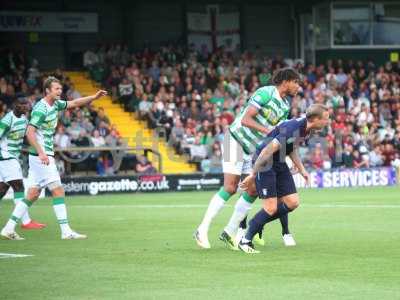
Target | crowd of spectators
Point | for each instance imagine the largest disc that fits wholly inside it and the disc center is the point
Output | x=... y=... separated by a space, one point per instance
x=87 y=126
x=192 y=96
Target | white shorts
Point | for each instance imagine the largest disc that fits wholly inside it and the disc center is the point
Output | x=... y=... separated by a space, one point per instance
x=234 y=159
x=10 y=170
x=41 y=175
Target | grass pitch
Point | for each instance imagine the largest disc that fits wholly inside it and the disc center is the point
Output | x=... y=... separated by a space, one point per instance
x=140 y=246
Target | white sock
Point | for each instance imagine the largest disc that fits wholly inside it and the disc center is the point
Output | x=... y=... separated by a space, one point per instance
x=239 y=235
x=25 y=219
x=215 y=206
x=61 y=213
x=20 y=209
x=242 y=208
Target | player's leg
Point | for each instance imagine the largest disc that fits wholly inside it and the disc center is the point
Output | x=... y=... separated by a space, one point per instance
x=242 y=208
x=217 y=202
x=18 y=188
x=232 y=165
x=238 y=220
x=3 y=173
x=3 y=189
x=50 y=178
x=26 y=221
x=266 y=186
x=60 y=210
x=286 y=187
x=20 y=209
x=21 y=206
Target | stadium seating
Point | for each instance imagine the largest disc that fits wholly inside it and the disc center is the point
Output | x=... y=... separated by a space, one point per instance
x=129 y=128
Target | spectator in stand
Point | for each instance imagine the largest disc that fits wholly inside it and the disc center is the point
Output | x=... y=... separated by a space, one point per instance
x=90 y=59
x=375 y=157
x=144 y=166
x=177 y=134
x=101 y=117
x=144 y=108
x=104 y=165
x=347 y=156
x=125 y=89
x=213 y=86
x=72 y=93
x=389 y=154
x=359 y=161
x=97 y=140
x=214 y=163
x=62 y=139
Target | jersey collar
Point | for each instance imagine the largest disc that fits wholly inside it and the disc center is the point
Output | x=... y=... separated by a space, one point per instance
x=276 y=94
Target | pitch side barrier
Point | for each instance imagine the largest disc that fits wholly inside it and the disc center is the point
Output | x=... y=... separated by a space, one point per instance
x=371 y=177
x=120 y=156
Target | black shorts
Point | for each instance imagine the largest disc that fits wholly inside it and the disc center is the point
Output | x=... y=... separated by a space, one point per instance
x=276 y=182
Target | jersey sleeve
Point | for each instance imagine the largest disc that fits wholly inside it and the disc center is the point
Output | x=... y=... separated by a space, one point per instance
x=38 y=116
x=61 y=105
x=5 y=125
x=260 y=98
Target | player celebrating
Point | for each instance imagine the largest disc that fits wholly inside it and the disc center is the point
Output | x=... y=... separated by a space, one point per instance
x=265 y=109
x=273 y=180
x=42 y=167
x=12 y=133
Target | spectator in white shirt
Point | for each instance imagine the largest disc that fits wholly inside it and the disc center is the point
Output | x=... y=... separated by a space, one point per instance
x=61 y=139
x=365 y=117
x=375 y=157
x=90 y=59
x=97 y=139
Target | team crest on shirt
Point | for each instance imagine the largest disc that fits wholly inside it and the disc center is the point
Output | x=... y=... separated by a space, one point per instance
x=17 y=135
x=51 y=124
x=265 y=192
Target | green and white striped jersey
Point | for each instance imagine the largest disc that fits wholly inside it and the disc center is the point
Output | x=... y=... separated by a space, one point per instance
x=45 y=117
x=272 y=109
x=12 y=132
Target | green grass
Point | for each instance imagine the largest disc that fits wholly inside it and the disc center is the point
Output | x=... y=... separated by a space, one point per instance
x=139 y=248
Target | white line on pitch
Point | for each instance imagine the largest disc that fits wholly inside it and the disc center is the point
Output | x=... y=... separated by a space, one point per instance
x=228 y=205
x=13 y=255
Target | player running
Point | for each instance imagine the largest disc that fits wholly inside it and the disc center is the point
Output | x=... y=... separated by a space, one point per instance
x=266 y=108
x=42 y=167
x=271 y=175
x=12 y=132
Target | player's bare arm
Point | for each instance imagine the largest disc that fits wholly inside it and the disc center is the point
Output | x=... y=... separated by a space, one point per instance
x=85 y=100
x=262 y=160
x=294 y=156
x=31 y=137
x=249 y=120
x=265 y=156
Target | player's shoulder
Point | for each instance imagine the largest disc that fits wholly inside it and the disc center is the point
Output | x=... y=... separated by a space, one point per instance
x=292 y=123
x=8 y=117
x=265 y=93
x=40 y=106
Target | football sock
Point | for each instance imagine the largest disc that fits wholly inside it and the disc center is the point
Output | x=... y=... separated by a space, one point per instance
x=242 y=208
x=18 y=196
x=61 y=213
x=285 y=223
x=256 y=224
x=261 y=218
x=216 y=204
x=20 y=209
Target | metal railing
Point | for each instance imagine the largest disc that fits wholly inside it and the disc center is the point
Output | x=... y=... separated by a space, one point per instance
x=117 y=154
